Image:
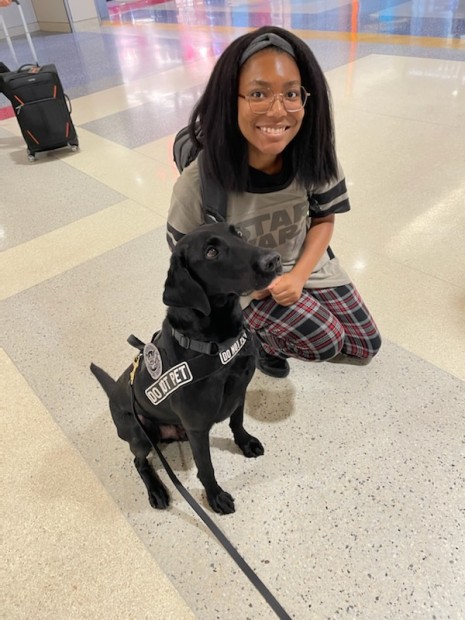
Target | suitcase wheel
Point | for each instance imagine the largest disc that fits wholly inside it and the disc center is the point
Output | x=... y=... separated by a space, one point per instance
x=31 y=156
x=73 y=146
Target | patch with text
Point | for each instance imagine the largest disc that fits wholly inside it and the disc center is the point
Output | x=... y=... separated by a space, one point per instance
x=227 y=355
x=168 y=383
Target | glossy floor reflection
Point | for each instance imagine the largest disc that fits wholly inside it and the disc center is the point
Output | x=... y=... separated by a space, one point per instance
x=436 y=19
x=356 y=508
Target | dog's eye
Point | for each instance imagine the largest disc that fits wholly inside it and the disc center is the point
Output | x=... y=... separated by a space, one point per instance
x=211 y=252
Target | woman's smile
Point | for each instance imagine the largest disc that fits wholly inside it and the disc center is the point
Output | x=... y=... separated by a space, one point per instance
x=274 y=131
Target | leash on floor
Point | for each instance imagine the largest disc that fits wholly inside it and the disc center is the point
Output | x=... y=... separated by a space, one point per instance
x=246 y=569
x=236 y=556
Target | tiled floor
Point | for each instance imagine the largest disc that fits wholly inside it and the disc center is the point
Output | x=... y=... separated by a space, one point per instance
x=357 y=508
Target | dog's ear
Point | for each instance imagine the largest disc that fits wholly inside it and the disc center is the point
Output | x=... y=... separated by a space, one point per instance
x=182 y=291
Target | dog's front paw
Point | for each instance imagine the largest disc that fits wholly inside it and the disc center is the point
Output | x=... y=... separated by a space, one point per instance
x=251 y=447
x=159 y=498
x=222 y=503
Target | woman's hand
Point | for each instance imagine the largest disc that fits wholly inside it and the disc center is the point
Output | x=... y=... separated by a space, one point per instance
x=286 y=289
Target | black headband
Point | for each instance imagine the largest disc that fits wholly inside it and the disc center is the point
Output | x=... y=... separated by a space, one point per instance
x=263 y=41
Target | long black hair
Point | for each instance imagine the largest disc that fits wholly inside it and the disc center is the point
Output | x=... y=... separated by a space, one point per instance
x=216 y=114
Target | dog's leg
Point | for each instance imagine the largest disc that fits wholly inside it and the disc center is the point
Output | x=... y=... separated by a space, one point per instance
x=250 y=446
x=157 y=493
x=130 y=431
x=221 y=501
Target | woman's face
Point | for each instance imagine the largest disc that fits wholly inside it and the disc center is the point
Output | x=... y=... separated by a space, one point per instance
x=268 y=134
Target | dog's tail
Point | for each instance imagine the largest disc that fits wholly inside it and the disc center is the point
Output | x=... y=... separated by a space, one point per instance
x=107 y=383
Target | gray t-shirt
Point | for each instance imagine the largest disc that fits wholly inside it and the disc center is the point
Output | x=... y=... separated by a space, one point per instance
x=277 y=218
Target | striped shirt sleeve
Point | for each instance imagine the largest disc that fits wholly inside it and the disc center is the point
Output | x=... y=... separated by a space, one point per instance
x=330 y=198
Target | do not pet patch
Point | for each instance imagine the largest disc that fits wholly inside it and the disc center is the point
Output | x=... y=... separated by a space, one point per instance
x=168 y=383
x=227 y=355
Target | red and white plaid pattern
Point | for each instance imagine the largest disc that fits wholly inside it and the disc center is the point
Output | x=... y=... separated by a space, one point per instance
x=323 y=323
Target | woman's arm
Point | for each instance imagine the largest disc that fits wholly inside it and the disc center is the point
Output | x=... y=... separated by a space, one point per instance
x=315 y=245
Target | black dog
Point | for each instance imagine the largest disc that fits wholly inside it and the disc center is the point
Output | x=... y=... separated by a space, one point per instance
x=196 y=370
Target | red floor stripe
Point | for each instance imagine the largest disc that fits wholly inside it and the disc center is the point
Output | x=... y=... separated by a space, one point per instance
x=6 y=113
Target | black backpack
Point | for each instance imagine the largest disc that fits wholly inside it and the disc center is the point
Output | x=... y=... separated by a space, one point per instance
x=214 y=198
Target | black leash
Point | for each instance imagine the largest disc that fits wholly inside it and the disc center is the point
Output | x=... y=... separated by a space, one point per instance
x=236 y=556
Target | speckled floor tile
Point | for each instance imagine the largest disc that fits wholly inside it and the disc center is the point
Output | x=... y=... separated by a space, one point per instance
x=54 y=253
x=114 y=167
x=420 y=89
x=356 y=506
x=147 y=122
x=429 y=322
x=411 y=192
x=64 y=541
x=173 y=87
x=67 y=193
x=160 y=150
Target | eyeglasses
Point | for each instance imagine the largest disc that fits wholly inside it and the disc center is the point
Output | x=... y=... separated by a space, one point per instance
x=262 y=100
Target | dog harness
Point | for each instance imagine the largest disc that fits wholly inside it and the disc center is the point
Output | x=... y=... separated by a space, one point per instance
x=168 y=377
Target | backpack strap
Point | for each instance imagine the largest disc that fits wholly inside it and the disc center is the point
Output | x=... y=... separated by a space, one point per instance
x=184 y=150
x=214 y=197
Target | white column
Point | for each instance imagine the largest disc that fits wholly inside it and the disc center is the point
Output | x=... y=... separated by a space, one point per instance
x=81 y=10
x=52 y=15
x=64 y=15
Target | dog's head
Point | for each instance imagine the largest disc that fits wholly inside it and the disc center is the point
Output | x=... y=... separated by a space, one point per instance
x=215 y=260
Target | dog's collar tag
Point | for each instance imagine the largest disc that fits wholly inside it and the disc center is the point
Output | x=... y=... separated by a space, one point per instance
x=152 y=359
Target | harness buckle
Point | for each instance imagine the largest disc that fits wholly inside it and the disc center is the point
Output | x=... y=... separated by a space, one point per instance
x=184 y=341
x=135 y=366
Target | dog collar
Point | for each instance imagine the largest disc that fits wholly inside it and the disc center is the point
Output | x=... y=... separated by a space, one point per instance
x=209 y=348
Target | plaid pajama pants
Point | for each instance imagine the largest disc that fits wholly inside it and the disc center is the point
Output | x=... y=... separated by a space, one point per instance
x=323 y=323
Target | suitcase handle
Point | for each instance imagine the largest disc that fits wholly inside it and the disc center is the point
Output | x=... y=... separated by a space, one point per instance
x=68 y=103
x=23 y=67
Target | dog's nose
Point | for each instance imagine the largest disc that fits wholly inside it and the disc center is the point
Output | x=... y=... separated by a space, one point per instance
x=270 y=262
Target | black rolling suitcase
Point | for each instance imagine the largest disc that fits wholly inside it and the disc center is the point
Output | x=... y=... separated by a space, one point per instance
x=42 y=109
